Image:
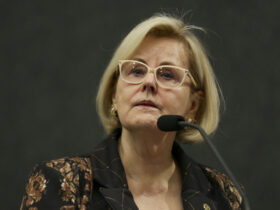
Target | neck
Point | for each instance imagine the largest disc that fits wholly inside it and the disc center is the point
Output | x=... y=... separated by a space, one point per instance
x=147 y=158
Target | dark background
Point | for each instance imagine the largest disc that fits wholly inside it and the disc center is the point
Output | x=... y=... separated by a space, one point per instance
x=52 y=56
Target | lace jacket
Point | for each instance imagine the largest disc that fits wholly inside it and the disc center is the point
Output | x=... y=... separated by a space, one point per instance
x=97 y=181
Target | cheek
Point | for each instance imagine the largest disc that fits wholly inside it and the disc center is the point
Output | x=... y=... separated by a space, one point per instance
x=122 y=96
x=177 y=103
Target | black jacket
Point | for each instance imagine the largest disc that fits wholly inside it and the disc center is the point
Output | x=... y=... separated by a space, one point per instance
x=97 y=181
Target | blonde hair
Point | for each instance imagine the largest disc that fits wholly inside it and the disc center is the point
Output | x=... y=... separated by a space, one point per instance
x=164 y=25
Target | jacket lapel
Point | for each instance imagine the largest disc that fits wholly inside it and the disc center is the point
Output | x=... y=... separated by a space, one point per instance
x=109 y=175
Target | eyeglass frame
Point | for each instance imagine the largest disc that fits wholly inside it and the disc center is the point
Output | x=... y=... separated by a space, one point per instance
x=154 y=70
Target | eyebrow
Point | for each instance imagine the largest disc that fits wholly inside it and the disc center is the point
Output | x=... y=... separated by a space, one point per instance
x=161 y=64
x=141 y=60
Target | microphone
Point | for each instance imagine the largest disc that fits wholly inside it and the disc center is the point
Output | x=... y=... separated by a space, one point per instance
x=176 y=122
x=170 y=122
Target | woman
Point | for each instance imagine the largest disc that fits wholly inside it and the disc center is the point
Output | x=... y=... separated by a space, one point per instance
x=159 y=68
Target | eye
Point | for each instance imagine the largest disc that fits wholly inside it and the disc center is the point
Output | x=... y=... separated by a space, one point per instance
x=166 y=73
x=137 y=71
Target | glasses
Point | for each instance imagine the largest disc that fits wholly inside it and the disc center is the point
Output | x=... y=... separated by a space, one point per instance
x=167 y=76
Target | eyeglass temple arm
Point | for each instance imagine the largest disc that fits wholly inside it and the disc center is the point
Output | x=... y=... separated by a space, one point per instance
x=192 y=79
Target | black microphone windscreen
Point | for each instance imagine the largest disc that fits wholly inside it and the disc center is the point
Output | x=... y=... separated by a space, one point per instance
x=170 y=122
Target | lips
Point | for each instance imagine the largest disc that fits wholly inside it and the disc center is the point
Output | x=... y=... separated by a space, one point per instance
x=146 y=103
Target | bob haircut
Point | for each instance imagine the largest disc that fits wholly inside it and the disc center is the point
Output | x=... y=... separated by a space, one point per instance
x=163 y=25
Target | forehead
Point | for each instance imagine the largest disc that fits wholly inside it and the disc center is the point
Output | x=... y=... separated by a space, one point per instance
x=162 y=50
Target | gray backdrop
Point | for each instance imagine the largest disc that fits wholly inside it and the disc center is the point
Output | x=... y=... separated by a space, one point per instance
x=53 y=54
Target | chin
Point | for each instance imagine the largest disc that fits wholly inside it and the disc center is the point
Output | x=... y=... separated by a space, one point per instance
x=142 y=121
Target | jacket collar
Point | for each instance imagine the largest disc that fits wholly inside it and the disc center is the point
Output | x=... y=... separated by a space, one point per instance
x=107 y=168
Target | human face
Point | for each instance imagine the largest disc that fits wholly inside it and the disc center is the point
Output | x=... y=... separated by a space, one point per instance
x=140 y=105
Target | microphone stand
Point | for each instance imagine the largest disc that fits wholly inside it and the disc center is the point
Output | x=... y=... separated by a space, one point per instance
x=245 y=202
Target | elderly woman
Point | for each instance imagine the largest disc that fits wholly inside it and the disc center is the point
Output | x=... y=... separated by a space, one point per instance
x=160 y=68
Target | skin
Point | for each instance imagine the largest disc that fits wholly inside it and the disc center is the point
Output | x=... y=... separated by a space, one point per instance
x=156 y=181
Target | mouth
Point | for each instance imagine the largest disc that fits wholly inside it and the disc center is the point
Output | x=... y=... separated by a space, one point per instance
x=147 y=103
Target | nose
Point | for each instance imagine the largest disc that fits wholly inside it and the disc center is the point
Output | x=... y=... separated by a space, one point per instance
x=149 y=83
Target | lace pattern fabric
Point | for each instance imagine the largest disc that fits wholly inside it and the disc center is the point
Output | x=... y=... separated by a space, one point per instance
x=72 y=186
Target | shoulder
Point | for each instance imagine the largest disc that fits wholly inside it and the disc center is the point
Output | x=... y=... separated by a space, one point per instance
x=226 y=185
x=64 y=182
x=69 y=165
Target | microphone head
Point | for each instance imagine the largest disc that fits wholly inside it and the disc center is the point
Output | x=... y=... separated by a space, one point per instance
x=170 y=122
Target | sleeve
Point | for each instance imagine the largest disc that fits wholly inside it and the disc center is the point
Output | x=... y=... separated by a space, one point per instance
x=63 y=184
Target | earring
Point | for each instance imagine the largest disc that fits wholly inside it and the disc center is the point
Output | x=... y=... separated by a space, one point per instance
x=191 y=120
x=114 y=112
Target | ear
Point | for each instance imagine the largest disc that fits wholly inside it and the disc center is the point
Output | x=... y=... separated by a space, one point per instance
x=196 y=98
